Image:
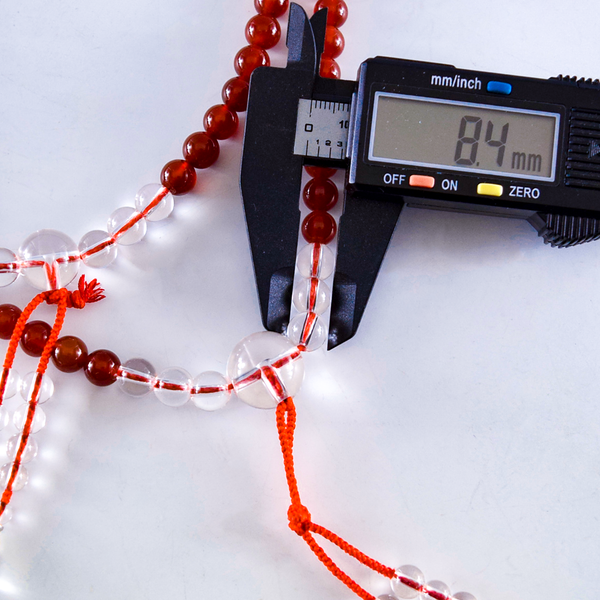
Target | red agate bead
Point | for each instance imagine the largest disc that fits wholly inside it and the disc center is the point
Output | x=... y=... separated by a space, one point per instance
x=70 y=354
x=102 y=367
x=9 y=315
x=263 y=31
x=178 y=177
x=319 y=227
x=320 y=194
x=271 y=8
x=235 y=94
x=220 y=122
x=329 y=68
x=334 y=42
x=200 y=150
x=337 y=12
x=320 y=172
x=248 y=59
x=34 y=338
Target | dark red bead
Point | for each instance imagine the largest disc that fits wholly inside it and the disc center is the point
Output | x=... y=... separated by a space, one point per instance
x=320 y=194
x=220 y=122
x=102 y=367
x=200 y=150
x=70 y=354
x=263 y=31
x=334 y=42
x=34 y=338
x=235 y=94
x=320 y=172
x=319 y=227
x=337 y=12
x=271 y=8
x=248 y=59
x=9 y=315
x=329 y=68
x=178 y=177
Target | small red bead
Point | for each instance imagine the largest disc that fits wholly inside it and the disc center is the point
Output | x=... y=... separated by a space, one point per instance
x=319 y=227
x=102 y=367
x=320 y=172
x=329 y=68
x=70 y=354
x=9 y=315
x=334 y=42
x=271 y=8
x=200 y=150
x=178 y=177
x=337 y=12
x=220 y=122
x=263 y=31
x=34 y=338
x=320 y=194
x=235 y=94
x=248 y=59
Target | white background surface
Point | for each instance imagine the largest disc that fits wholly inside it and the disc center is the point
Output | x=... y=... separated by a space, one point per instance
x=459 y=430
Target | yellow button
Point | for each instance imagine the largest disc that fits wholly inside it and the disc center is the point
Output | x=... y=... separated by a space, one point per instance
x=490 y=189
x=424 y=181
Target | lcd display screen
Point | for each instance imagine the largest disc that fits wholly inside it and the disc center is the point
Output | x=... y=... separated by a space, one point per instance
x=461 y=136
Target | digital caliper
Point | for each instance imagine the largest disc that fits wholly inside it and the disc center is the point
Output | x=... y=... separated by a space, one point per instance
x=408 y=133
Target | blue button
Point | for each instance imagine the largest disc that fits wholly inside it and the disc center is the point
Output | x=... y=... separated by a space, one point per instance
x=499 y=87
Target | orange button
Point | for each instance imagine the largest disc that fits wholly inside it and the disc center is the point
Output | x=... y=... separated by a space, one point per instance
x=424 y=181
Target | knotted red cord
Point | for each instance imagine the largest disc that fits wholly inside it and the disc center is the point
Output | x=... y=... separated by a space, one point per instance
x=300 y=519
x=85 y=294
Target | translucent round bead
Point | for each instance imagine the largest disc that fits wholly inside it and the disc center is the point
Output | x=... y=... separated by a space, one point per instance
x=105 y=245
x=20 y=480
x=137 y=377
x=387 y=597
x=315 y=263
x=6 y=517
x=60 y=255
x=211 y=400
x=8 y=274
x=439 y=586
x=255 y=351
x=464 y=596
x=35 y=337
x=145 y=196
x=4 y=417
x=46 y=388
x=404 y=591
x=316 y=337
x=70 y=354
x=177 y=378
x=329 y=68
x=13 y=383
x=20 y=416
x=9 y=315
x=178 y=177
x=337 y=12
x=313 y=292
x=30 y=452
x=119 y=218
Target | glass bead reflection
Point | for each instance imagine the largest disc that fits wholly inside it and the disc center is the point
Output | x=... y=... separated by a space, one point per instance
x=313 y=262
x=46 y=389
x=29 y=453
x=176 y=378
x=20 y=480
x=317 y=336
x=439 y=586
x=147 y=194
x=211 y=400
x=8 y=274
x=102 y=242
x=305 y=290
x=59 y=255
x=13 y=384
x=404 y=591
x=141 y=377
x=464 y=596
x=20 y=416
x=4 y=417
x=6 y=517
x=119 y=218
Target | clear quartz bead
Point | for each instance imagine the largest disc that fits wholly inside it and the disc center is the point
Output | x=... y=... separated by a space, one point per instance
x=145 y=196
x=13 y=383
x=318 y=334
x=121 y=217
x=211 y=400
x=176 y=377
x=30 y=452
x=249 y=355
x=307 y=289
x=439 y=586
x=464 y=596
x=313 y=262
x=6 y=516
x=404 y=591
x=46 y=388
x=59 y=254
x=137 y=377
x=4 y=417
x=20 y=416
x=8 y=275
x=104 y=256
x=20 y=480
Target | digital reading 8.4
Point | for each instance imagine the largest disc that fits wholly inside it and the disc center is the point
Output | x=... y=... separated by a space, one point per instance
x=461 y=136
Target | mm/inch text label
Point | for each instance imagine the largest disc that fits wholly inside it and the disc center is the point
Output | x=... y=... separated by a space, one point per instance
x=322 y=129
